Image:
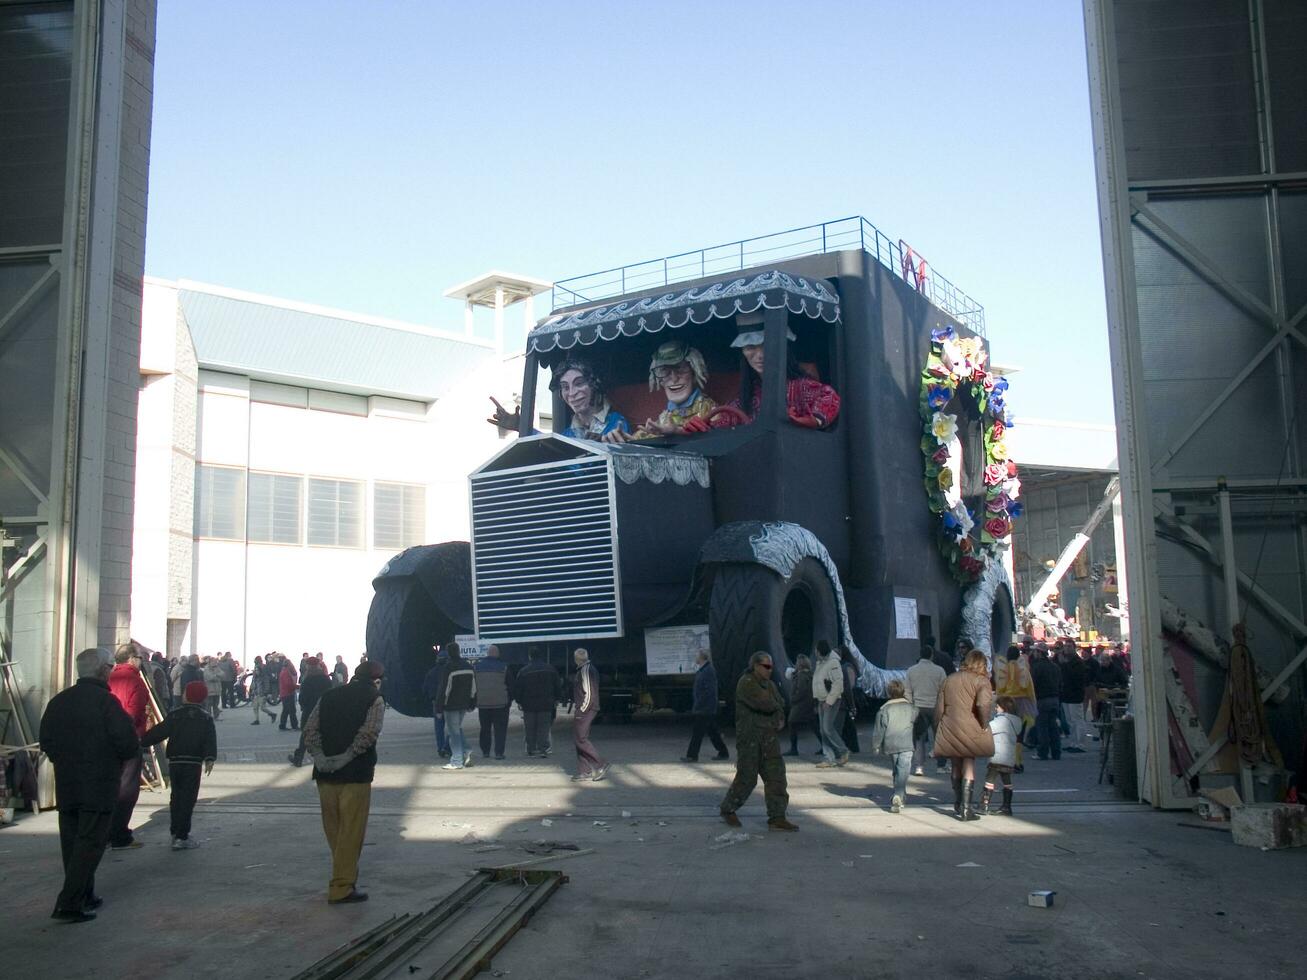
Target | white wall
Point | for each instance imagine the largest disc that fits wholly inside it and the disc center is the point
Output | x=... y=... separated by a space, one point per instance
x=165 y=451
x=252 y=598
x=259 y=597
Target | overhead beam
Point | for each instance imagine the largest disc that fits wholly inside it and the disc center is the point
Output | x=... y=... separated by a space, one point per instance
x=1267 y=601
x=1235 y=384
x=29 y=299
x=24 y=474
x=1239 y=182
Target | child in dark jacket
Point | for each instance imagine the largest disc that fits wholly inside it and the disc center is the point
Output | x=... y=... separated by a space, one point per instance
x=192 y=742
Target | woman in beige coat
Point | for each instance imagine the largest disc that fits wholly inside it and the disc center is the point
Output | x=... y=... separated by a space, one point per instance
x=962 y=727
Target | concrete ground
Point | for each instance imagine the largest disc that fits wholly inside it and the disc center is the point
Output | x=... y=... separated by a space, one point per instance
x=857 y=893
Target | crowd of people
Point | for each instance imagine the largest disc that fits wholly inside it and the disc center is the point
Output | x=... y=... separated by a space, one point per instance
x=271 y=681
x=95 y=732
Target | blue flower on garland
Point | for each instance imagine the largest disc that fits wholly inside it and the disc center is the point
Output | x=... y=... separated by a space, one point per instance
x=1015 y=508
x=941 y=334
x=950 y=521
x=937 y=396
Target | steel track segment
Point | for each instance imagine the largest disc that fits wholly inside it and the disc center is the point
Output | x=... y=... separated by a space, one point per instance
x=345 y=957
x=476 y=955
x=423 y=929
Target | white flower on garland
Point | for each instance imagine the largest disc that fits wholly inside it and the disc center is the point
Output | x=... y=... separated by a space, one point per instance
x=963 y=517
x=952 y=357
x=944 y=427
x=1012 y=487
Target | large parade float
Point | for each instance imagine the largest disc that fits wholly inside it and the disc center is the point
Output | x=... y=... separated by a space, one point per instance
x=736 y=460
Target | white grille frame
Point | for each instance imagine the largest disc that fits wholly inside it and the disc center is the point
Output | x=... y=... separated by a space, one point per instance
x=525 y=586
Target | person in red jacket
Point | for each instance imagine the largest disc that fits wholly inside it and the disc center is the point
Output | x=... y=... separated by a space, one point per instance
x=287 y=684
x=128 y=686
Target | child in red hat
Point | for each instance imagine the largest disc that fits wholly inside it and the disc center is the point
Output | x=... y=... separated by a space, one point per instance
x=192 y=742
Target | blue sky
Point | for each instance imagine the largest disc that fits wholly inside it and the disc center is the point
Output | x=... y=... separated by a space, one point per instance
x=368 y=155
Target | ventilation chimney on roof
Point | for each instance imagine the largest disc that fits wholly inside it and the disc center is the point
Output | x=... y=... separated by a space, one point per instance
x=496 y=290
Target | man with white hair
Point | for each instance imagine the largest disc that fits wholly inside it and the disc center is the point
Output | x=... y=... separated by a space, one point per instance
x=88 y=737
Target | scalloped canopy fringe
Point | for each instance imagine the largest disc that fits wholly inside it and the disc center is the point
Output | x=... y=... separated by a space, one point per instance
x=720 y=300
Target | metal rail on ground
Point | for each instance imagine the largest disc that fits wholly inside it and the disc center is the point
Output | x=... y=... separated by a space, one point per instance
x=399 y=940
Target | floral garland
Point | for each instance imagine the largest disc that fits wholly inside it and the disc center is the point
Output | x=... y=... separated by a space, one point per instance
x=956 y=365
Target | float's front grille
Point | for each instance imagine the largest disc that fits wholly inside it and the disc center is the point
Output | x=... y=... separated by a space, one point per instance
x=544 y=556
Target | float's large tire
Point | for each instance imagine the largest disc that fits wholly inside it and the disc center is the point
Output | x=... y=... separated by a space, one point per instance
x=1002 y=622
x=752 y=608
x=423 y=597
x=988 y=616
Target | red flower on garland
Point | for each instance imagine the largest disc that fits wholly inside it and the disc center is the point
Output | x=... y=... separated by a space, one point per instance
x=994 y=474
x=941 y=455
x=965 y=546
x=998 y=527
x=970 y=565
x=1011 y=468
x=996 y=430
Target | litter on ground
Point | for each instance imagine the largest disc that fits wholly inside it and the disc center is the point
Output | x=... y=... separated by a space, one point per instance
x=730 y=839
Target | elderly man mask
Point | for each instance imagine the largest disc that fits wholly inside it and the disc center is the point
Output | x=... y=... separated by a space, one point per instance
x=680 y=371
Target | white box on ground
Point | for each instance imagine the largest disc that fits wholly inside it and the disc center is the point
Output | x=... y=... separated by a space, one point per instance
x=1269 y=826
x=672 y=649
x=1040 y=899
x=470 y=648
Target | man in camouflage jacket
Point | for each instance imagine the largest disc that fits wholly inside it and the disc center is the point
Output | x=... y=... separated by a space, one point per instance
x=759 y=717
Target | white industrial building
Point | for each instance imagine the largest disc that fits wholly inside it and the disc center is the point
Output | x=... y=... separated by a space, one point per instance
x=286 y=451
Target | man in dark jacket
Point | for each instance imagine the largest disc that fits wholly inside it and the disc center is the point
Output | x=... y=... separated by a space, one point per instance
x=431 y=685
x=341 y=736
x=314 y=684
x=228 y=679
x=704 y=710
x=456 y=695
x=1072 y=696
x=493 y=699
x=192 y=742
x=1047 y=679
x=537 y=688
x=88 y=736
x=191 y=670
x=944 y=661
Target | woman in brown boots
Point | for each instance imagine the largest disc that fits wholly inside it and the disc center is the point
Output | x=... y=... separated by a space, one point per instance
x=962 y=727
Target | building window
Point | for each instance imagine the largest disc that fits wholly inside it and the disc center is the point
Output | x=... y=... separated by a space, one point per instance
x=335 y=513
x=219 y=502
x=274 y=508
x=399 y=515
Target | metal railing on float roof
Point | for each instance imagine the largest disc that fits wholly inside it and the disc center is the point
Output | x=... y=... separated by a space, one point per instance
x=829 y=236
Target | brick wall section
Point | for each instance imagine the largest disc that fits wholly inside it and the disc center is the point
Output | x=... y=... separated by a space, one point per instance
x=125 y=323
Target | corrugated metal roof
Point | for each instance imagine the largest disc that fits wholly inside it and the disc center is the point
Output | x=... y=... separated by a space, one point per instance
x=324 y=349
